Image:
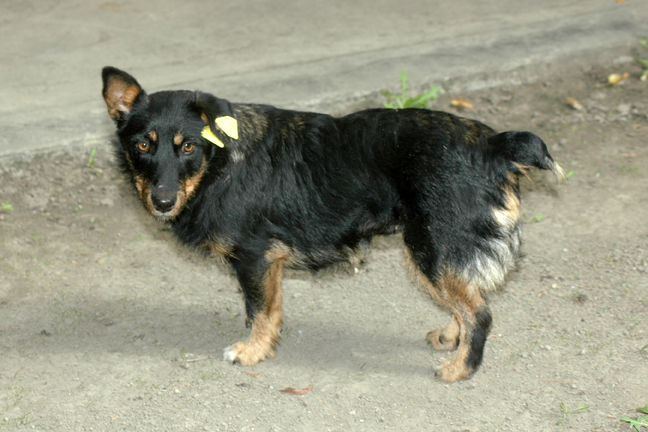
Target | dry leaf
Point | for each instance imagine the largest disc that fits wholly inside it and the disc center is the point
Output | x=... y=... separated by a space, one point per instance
x=288 y=390
x=253 y=374
x=574 y=103
x=462 y=103
x=297 y=392
x=614 y=79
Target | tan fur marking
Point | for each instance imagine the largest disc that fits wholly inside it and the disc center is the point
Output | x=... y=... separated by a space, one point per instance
x=219 y=247
x=445 y=338
x=204 y=118
x=455 y=369
x=188 y=188
x=144 y=191
x=190 y=184
x=129 y=161
x=278 y=251
x=513 y=178
x=458 y=292
x=272 y=284
x=267 y=323
x=510 y=214
x=130 y=94
x=119 y=97
x=140 y=184
x=524 y=169
x=553 y=166
x=153 y=135
x=464 y=299
x=178 y=138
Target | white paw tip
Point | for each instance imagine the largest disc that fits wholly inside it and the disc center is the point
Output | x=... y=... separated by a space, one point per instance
x=228 y=355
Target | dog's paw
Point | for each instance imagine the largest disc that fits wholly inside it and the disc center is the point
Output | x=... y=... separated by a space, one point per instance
x=228 y=355
x=247 y=353
x=453 y=370
x=441 y=341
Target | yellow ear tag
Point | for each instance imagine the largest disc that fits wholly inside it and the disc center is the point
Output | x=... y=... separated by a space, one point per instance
x=209 y=136
x=229 y=125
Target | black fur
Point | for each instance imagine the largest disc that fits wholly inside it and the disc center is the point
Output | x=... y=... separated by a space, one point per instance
x=309 y=190
x=483 y=320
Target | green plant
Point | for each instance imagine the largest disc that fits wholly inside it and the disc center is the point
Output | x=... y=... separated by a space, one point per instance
x=639 y=421
x=643 y=62
x=91 y=161
x=395 y=101
x=6 y=207
x=566 y=412
x=537 y=218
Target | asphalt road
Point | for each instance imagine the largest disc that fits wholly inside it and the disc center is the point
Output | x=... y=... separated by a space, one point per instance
x=319 y=55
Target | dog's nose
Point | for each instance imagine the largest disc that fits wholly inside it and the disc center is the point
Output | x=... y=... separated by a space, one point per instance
x=163 y=203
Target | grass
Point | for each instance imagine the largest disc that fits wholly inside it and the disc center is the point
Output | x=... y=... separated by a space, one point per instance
x=394 y=101
x=6 y=208
x=534 y=219
x=566 y=412
x=638 y=422
x=91 y=161
x=643 y=62
x=537 y=218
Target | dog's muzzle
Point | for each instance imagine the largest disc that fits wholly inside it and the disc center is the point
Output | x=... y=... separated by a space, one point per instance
x=163 y=198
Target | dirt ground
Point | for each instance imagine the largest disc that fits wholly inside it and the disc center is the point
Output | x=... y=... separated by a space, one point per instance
x=107 y=324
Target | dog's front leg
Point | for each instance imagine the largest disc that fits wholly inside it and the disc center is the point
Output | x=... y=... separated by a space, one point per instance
x=260 y=279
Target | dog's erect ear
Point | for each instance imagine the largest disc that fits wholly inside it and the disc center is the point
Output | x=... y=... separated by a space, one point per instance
x=216 y=114
x=210 y=107
x=120 y=91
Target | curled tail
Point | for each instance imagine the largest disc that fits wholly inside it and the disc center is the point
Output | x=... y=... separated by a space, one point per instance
x=524 y=150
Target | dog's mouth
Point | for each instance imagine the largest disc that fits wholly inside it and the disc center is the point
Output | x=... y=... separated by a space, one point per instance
x=164 y=207
x=167 y=205
x=166 y=210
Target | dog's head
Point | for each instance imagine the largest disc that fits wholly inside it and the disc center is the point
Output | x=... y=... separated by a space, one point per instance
x=165 y=145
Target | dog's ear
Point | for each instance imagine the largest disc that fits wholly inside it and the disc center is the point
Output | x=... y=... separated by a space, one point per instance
x=210 y=107
x=120 y=91
x=212 y=110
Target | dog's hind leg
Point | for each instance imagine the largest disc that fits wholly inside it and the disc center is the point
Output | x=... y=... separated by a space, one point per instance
x=466 y=331
x=260 y=280
x=445 y=338
x=471 y=321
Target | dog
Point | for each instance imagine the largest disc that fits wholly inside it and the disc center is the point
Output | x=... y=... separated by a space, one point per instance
x=268 y=188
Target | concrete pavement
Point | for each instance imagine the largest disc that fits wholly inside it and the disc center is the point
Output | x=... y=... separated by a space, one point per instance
x=319 y=55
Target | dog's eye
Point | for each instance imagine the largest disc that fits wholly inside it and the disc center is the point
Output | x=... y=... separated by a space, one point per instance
x=143 y=146
x=188 y=147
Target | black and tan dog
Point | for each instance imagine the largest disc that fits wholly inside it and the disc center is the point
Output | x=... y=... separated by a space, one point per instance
x=268 y=188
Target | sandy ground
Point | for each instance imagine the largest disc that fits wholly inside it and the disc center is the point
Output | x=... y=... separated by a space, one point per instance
x=106 y=323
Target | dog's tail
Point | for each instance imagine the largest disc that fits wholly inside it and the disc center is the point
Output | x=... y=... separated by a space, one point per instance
x=524 y=150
